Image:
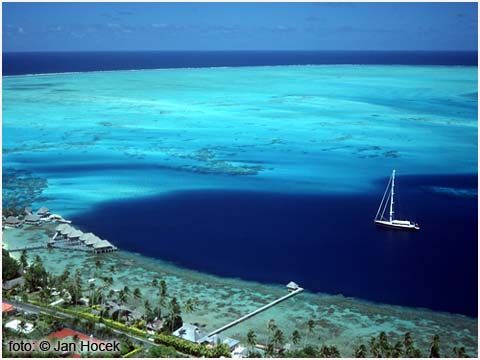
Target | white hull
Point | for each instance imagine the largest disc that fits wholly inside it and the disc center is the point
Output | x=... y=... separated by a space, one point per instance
x=390 y=222
x=398 y=224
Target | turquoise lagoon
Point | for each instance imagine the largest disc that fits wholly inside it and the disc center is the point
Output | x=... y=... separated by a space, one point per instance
x=317 y=129
x=75 y=141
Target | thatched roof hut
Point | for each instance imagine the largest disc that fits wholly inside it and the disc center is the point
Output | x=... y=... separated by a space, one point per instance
x=66 y=229
x=74 y=234
x=12 y=221
x=43 y=211
x=102 y=244
x=31 y=219
x=92 y=240
x=86 y=236
x=62 y=227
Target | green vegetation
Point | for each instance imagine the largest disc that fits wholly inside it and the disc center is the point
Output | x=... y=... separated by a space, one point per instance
x=161 y=351
x=10 y=266
x=38 y=287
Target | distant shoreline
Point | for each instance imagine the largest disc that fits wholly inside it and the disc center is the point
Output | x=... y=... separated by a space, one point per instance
x=42 y=63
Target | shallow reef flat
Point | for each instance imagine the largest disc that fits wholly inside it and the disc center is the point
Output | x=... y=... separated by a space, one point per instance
x=338 y=320
x=282 y=128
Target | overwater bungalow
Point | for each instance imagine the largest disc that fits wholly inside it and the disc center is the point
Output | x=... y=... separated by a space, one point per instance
x=43 y=211
x=74 y=234
x=86 y=236
x=65 y=230
x=291 y=286
x=92 y=240
x=57 y=218
x=12 y=222
x=103 y=246
x=32 y=220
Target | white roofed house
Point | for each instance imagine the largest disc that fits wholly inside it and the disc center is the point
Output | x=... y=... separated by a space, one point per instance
x=64 y=230
x=219 y=339
x=86 y=236
x=74 y=234
x=190 y=332
x=12 y=222
x=43 y=211
x=31 y=219
x=103 y=246
x=92 y=240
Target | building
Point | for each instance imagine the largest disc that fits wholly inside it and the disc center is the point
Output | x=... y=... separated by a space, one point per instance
x=103 y=246
x=86 y=236
x=291 y=286
x=32 y=220
x=64 y=230
x=155 y=325
x=10 y=284
x=190 y=332
x=17 y=326
x=220 y=339
x=194 y=334
x=7 y=308
x=12 y=222
x=43 y=211
x=74 y=234
x=92 y=240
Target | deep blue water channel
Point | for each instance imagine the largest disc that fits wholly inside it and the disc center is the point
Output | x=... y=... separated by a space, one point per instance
x=326 y=243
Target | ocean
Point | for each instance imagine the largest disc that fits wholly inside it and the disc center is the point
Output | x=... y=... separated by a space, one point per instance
x=55 y=62
x=326 y=243
x=269 y=173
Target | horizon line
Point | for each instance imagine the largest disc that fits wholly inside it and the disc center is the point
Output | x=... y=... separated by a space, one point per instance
x=243 y=50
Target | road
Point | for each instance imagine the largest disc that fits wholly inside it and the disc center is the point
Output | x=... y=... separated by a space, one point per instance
x=36 y=309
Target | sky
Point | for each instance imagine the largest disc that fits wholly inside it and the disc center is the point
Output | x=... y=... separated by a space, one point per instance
x=239 y=26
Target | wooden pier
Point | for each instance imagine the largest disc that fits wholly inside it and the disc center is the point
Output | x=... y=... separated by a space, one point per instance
x=253 y=313
x=27 y=248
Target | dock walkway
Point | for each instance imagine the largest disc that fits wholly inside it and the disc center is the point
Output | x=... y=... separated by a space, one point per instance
x=27 y=248
x=253 y=313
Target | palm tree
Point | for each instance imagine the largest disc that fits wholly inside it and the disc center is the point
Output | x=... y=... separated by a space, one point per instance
x=98 y=264
x=23 y=259
x=310 y=328
x=92 y=288
x=112 y=269
x=155 y=282
x=296 y=337
x=174 y=312
x=384 y=344
x=460 y=352
x=361 y=351
x=374 y=347
x=122 y=296
x=251 y=339
x=410 y=350
x=163 y=288
x=271 y=326
x=147 y=307
x=435 y=347
x=278 y=338
x=270 y=350
x=137 y=294
x=190 y=306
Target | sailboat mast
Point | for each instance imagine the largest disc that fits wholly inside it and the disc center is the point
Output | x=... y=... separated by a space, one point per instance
x=391 y=195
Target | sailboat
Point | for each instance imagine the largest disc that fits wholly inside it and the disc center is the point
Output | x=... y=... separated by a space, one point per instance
x=380 y=220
